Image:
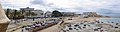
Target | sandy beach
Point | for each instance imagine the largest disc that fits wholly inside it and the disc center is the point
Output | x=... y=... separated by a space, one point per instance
x=56 y=28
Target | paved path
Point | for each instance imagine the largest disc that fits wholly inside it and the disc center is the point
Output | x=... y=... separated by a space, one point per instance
x=29 y=21
x=54 y=28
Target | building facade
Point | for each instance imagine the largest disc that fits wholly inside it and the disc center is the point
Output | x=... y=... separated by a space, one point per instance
x=27 y=9
x=90 y=14
x=68 y=13
x=48 y=14
x=39 y=13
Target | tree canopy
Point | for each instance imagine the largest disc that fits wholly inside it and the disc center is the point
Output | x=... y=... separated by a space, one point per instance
x=56 y=13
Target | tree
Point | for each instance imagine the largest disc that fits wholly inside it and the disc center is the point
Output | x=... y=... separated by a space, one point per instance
x=33 y=14
x=14 y=14
x=30 y=14
x=56 y=13
x=27 y=14
x=8 y=12
x=18 y=14
x=23 y=13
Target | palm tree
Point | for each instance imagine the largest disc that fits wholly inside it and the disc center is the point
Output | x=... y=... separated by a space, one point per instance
x=33 y=14
x=14 y=16
x=8 y=12
x=23 y=13
x=29 y=13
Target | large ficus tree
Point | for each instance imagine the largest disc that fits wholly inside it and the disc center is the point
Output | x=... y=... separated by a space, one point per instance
x=56 y=13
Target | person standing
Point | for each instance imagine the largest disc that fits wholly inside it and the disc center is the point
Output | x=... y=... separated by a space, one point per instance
x=33 y=18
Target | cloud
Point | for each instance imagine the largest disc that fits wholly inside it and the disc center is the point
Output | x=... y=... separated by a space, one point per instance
x=79 y=6
x=14 y=3
x=37 y=2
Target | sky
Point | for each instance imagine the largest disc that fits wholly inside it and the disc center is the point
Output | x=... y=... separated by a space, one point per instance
x=103 y=7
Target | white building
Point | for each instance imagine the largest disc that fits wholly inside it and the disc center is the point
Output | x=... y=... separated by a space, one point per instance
x=89 y=14
x=48 y=14
x=39 y=13
x=68 y=13
x=27 y=9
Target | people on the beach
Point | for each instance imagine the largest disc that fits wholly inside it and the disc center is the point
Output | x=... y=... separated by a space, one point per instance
x=90 y=26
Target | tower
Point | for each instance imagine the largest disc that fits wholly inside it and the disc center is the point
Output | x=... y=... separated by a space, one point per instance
x=4 y=21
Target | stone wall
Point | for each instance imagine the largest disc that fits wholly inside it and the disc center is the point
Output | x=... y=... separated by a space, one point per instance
x=3 y=27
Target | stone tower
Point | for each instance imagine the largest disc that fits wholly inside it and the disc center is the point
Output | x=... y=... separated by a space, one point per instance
x=4 y=21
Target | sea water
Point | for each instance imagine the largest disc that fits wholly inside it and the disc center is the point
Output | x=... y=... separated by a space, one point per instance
x=115 y=20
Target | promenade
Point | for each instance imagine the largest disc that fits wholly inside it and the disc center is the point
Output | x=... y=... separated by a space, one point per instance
x=17 y=26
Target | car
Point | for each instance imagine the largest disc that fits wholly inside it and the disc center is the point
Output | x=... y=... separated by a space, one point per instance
x=69 y=19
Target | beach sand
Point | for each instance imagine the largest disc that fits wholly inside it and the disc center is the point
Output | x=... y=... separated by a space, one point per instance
x=56 y=28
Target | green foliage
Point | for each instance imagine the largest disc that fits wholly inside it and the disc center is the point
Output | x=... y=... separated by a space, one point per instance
x=33 y=14
x=15 y=13
x=8 y=12
x=19 y=14
x=30 y=14
x=56 y=13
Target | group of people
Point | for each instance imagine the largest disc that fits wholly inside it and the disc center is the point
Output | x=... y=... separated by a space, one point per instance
x=87 y=26
x=40 y=25
x=17 y=21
